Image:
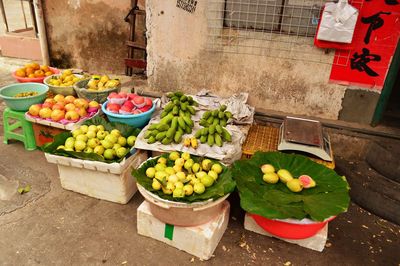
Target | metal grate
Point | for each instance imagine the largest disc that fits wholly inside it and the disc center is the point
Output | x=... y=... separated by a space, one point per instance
x=276 y=28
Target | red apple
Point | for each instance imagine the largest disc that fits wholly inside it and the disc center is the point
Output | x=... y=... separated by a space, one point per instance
x=58 y=106
x=57 y=115
x=148 y=102
x=45 y=112
x=72 y=115
x=70 y=107
x=69 y=99
x=81 y=103
x=34 y=109
x=138 y=101
x=132 y=96
x=129 y=104
x=81 y=111
x=59 y=98
x=47 y=105
x=113 y=107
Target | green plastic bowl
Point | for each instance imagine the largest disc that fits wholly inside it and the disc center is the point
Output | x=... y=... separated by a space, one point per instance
x=23 y=103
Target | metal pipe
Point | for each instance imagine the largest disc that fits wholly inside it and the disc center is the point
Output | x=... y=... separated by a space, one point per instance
x=42 y=32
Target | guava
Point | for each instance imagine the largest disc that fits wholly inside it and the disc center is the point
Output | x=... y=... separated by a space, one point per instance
x=92 y=143
x=199 y=188
x=177 y=168
x=61 y=147
x=107 y=144
x=180 y=162
x=294 y=185
x=170 y=186
x=131 y=140
x=111 y=138
x=69 y=143
x=100 y=127
x=178 y=184
x=121 y=141
x=91 y=134
x=174 y=155
x=206 y=165
x=150 y=172
x=88 y=150
x=181 y=176
x=116 y=133
x=76 y=132
x=109 y=154
x=156 y=185
x=201 y=174
x=267 y=168
x=307 y=181
x=101 y=134
x=207 y=180
x=79 y=145
x=185 y=156
x=188 y=164
x=162 y=160
x=213 y=174
x=196 y=167
x=99 y=150
x=178 y=193
x=160 y=175
x=271 y=178
x=92 y=128
x=166 y=191
x=284 y=175
x=169 y=170
x=194 y=181
x=160 y=167
x=188 y=189
x=217 y=168
x=121 y=152
x=116 y=146
x=84 y=128
x=173 y=179
x=84 y=138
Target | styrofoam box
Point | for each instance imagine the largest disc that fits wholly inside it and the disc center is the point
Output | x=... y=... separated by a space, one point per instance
x=107 y=181
x=316 y=242
x=200 y=241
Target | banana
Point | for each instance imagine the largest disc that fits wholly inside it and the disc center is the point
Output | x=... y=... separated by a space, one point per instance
x=194 y=143
x=186 y=142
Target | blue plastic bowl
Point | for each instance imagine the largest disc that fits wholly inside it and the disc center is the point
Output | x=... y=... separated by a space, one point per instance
x=23 y=103
x=139 y=120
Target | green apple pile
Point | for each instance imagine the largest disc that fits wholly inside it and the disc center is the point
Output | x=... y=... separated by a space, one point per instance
x=185 y=177
x=293 y=184
x=95 y=139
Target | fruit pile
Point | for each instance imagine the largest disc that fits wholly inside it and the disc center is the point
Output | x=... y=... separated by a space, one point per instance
x=26 y=94
x=293 y=184
x=128 y=103
x=213 y=131
x=176 y=120
x=95 y=139
x=100 y=83
x=33 y=70
x=185 y=176
x=66 y=79
x=66 y=108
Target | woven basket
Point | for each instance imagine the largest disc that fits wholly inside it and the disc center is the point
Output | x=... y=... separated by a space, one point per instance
x=98 y=96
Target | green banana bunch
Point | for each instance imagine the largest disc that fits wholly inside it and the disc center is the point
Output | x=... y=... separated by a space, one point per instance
x=216 y=117
x=211 y=135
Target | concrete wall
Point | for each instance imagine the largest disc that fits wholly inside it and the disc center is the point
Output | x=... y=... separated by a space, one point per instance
x=89 y=34
x=177 y=59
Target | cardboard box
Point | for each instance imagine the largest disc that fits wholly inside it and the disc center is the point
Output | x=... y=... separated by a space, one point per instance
x=317 y=242
x=107 y=181
x=200 y=241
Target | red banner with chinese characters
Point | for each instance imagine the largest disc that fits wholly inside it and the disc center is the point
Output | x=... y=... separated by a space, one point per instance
x=374 y=43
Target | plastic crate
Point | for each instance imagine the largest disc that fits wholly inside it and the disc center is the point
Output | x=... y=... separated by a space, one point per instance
x=108 y=181
x=264 y=138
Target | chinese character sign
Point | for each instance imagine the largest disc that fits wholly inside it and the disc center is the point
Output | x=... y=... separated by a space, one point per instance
x=374 y=43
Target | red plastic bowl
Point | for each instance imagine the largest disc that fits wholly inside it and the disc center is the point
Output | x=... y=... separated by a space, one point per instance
x=288 y=230
x=38 y=80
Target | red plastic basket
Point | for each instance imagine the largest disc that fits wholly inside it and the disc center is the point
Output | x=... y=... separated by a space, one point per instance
x=289 y=230
x=38 y=80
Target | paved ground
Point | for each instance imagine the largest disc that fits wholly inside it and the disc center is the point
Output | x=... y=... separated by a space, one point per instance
x=52 y=226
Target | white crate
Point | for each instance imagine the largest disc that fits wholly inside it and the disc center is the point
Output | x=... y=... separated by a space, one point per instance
x=316 y=242
x=107 y=181
x=200 y=241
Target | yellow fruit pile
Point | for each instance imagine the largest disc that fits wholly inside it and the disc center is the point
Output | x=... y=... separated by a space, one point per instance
x=99 y=83
x=66 y=79
x=33 y=70
x=185 y=177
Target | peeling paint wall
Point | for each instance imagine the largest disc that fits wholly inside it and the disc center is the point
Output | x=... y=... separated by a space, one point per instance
x=177 y=60
x=89 y=34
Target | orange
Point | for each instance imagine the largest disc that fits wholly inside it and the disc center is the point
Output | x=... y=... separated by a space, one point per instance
x=20 y=73
x=48 y=73
x=45 y=68
x=39 y=73
x=31 y=76
x=35 y=65
x=29 y=70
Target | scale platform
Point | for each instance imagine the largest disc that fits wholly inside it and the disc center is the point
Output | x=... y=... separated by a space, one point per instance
x=304 y=135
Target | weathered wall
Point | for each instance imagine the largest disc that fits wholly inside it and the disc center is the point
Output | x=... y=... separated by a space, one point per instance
x=89 y=34
x=177 y=60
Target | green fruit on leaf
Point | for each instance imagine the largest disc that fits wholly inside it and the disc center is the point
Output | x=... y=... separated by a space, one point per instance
x=79 y=145
x=109 y=154
x=267 y=168
x=271 y=178
x=217 y=168
x=131 y=140
x=174 y=155
x=207 y=180
x=188 y=189
x=199 y=188
x=121 y=152
x=206 y=164
x=150 y=172
x=294 y=185
x=156 y=185
x=284 y=175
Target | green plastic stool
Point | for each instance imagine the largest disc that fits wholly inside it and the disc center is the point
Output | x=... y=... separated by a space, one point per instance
x=27 y=136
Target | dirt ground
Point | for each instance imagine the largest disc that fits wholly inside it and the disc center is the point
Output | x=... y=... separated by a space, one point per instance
x=53 y=226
